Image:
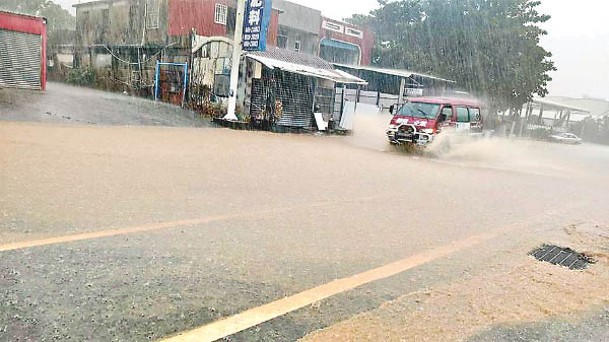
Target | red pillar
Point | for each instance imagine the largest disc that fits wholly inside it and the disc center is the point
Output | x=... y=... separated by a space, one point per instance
x=43 y=76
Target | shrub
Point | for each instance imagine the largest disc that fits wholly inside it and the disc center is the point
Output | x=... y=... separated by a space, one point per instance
x=82 y=77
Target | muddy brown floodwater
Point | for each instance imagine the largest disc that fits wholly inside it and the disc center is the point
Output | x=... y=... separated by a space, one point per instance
x=183 y=227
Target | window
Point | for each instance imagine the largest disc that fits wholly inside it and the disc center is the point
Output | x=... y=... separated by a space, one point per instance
x=152 y=14
x=82 y=28
x=282 y=42
x=462 y=114
x=105 y=20
x=85 y=19
x=282 y=37
x=420 y=110
x=475 y=115
x=297 y=46
x=231 y=21
x=447 y=112
x=221 y=14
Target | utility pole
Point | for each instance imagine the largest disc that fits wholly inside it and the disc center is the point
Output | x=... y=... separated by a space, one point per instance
x=234 y=71
x=402 y=91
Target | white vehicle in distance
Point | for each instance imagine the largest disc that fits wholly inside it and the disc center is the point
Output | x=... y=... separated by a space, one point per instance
x=566 y=138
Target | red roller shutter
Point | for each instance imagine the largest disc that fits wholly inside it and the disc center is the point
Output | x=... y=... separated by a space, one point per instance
x=20 y=60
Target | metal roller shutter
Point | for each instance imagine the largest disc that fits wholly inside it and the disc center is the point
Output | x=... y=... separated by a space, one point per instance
x=295 y=92
x=259 y=95
x=20 y=59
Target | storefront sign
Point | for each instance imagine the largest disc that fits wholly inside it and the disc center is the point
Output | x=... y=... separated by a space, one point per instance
x=256 y=23
x=411 y=92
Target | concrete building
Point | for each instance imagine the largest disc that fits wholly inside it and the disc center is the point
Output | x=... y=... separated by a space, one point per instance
x=134 y=28
x=157 y=22
x=305 y=30
x=122 y=22
x=122 y=40
x=298 y=27
x=343 y=43
x=160 y=23
x=107 y=29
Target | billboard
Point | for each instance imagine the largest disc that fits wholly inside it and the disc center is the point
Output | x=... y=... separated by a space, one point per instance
x=256 y=23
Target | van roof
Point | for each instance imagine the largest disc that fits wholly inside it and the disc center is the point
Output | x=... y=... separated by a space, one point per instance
x=446 y=100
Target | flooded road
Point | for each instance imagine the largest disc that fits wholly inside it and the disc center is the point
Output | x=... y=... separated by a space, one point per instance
x=139 y=233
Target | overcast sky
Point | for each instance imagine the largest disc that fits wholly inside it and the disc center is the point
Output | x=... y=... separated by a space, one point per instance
x=578 y=36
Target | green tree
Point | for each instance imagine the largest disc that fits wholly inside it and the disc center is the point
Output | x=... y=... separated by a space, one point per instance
x=22 y=6
x=59 y=20
x=490 y=47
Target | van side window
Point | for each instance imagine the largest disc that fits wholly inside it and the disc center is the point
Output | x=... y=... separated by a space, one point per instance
x=474 y=114
x=462 y=114
x=447 y=113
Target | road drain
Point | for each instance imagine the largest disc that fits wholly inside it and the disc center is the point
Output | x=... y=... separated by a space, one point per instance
x=562 y=257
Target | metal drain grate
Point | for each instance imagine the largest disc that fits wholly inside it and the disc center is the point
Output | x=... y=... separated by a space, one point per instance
x=562 y=257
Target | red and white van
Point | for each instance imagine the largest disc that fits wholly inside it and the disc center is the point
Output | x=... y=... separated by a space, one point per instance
x=420 y=120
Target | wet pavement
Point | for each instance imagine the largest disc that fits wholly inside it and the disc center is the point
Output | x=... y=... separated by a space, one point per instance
x=269 y=216
x=593 y=328
x=66 y=104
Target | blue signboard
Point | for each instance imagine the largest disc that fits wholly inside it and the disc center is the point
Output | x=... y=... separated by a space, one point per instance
x=256 y=24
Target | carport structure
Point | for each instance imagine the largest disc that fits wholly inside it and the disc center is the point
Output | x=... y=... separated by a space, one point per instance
x=387 y=87
x=559 y=114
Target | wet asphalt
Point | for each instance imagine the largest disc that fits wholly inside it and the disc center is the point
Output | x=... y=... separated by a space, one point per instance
x=593 y=327
x=66 y=104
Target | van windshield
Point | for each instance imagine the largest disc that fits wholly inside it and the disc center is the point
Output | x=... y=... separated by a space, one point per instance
x=420 y=110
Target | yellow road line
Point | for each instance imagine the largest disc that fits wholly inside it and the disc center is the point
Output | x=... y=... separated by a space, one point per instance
x=140 y=229
x=110 y=233
x=253 y=317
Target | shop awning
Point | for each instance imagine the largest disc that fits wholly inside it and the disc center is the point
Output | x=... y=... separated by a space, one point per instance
x=315 y=69
x=339 y=45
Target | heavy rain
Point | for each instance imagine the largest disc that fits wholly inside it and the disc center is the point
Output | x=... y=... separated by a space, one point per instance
x=291 y=170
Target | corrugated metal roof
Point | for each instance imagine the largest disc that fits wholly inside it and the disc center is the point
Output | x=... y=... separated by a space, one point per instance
x=93 y=2
x=393 y=72
x=294 y=57
x=303 y=64
x=22 y=14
